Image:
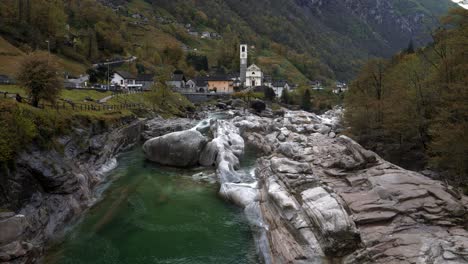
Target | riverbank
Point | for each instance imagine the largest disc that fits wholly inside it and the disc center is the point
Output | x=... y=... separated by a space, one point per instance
x=319 y=197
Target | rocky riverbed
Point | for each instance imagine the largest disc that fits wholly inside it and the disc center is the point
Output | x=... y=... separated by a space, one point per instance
x=319 y=197
x=316 y=196
x=49 y=188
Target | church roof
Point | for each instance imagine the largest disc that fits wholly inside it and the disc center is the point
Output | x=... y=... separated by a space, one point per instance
x=253 y=67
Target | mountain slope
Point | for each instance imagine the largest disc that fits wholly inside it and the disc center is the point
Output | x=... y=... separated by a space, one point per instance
x=313 y=39
x=340 y=32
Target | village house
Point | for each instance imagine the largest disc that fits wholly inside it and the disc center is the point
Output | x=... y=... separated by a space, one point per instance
x=201 y=84
x=279 y=86
x=220 y=84
x=125 y=80
x=205 y=35
x=177 y=80
x=316 y=85
x=146 y=80
x=340 y=87
x=191 y=86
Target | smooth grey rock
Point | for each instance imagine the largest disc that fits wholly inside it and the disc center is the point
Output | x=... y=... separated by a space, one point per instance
x=180 y=149
x=209 y=154
x=12 y=228
x=238 y=103
x=284 y=165
x=338 y=233
x=159 y=126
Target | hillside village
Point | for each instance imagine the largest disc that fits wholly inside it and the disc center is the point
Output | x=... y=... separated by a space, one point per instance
x=194 y=57
x=249 y=78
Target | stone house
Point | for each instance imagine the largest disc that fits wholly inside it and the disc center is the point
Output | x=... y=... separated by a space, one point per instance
x=177 y=80
x=146 y=80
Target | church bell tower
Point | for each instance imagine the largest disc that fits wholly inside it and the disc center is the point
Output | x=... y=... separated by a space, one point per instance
x=243 y=63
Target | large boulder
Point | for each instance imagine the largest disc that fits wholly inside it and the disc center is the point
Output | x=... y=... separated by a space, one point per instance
x=258 y=105
x=159 y=126
x=179 y=149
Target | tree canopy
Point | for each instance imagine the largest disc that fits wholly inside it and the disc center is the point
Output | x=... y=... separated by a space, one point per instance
x=39 y=76
x=413 y=108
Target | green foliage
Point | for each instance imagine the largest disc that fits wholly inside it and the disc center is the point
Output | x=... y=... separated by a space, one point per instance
x=38 y=75
x=17 y=129
x=88 y=31
x=198 y=62
x=415 y=103
x=248 y=96
x=306 y=104
x=269 y=94
x=285 y=97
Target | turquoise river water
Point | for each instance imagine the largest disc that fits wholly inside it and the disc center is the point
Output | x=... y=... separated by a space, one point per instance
x=155 y=214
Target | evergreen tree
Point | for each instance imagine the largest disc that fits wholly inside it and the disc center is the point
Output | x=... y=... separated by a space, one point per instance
x=285 y=96
x=306 y=103
x=269 y=94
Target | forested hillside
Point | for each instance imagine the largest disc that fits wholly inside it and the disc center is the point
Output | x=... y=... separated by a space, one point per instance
x=295 y=39
x=413 y=108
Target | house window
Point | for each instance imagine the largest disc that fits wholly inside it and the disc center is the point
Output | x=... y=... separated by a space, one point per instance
x=121 y=82
x=253 y=73
x=243 y=49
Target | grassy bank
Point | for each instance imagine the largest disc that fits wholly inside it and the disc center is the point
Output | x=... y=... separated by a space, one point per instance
x=22 y=124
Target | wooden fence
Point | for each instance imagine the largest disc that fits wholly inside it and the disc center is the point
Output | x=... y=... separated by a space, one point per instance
x=90 y=107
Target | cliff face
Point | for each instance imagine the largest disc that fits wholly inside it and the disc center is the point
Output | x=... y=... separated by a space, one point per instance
x=46 y=189
x=391 y=24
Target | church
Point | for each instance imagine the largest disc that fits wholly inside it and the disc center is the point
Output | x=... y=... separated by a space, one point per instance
x=251 y=76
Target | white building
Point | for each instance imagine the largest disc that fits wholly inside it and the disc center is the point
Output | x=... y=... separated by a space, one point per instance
x=125 y=80
x=243 y=62
x=254 y=76
x=280 y=86
x=340 y=87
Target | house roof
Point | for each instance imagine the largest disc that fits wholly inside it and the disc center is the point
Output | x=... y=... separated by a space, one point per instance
x=178 y=78
x=280 y=83
x=219 y=78
x=145 y=77
x=126 y=75
x=200 y=81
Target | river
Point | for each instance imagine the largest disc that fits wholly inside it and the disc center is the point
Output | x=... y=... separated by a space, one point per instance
x=155 y=214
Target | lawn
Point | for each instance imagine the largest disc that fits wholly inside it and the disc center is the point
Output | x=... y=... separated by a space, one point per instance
x=77 y=96
x=13 y=89
x=81 y=95
x=173 y=104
